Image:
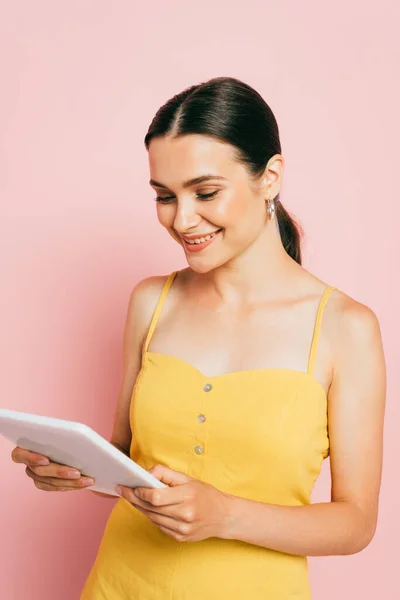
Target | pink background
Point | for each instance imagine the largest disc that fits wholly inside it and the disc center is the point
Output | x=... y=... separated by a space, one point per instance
x=80 y=83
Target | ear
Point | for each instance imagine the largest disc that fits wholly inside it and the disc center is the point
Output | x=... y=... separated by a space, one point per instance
x=273 y=174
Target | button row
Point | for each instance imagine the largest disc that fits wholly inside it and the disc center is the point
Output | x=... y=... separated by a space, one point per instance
x=201 y=418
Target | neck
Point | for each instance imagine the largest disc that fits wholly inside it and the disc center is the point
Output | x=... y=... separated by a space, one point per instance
x=264 y=271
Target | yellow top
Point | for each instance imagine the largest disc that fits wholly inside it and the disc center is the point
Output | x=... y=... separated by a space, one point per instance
x=259 y=434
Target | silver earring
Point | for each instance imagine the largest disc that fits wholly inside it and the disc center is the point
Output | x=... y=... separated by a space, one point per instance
x=271 y=208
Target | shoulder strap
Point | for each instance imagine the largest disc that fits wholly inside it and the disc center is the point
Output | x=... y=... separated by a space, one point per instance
x=158 y=308
x=317 y=328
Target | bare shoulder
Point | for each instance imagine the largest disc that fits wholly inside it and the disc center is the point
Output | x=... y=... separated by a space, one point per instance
x=357 y=342
x=147 y=291
x=344 y=315
x=356 y=322
x=346 y=320
x=143 y=300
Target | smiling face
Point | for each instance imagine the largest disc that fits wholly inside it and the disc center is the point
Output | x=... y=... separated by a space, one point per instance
x=204 y=191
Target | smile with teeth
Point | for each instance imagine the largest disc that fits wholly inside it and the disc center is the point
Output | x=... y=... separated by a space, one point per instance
x=200 y=240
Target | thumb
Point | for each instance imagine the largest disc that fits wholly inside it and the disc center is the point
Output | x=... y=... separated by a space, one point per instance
x=169 y=476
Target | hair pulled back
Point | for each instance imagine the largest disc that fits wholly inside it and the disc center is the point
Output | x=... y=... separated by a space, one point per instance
x=232 y=112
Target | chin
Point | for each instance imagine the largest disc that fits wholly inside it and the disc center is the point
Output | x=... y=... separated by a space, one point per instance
x=199 y=267
x=202 y=265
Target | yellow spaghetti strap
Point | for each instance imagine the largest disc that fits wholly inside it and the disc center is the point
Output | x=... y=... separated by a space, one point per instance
x=317 y=327
x=157 y=311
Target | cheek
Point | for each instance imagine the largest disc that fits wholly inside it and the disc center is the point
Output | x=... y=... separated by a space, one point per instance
x=241 y=211
x=227 y=212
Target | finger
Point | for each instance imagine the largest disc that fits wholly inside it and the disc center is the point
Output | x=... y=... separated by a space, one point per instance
x=56 y=482
x=169 y=476
x=169 y=525
x=173 y=510
x=147 y=513
x=52 y=488
x=161 y=497
x=56 y=470
x=129 y=494
x=20 y=455
x=174 y=525
x=172 y=534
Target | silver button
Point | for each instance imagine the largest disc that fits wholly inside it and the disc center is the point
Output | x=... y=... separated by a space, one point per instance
x=207 y=387
x=198 y=450
x=201 y=418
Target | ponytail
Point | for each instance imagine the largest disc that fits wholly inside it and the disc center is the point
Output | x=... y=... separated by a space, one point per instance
x=230 y=110
x=290 y=230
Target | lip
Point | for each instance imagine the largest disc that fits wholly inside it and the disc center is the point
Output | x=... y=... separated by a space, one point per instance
x=202 y=245
x=197 y=236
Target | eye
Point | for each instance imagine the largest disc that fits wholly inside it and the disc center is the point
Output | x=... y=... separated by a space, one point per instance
x=168 y=199
x=163 y=200
x=207 y=196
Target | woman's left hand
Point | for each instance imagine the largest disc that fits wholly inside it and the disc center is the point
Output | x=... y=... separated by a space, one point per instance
x=187 y=510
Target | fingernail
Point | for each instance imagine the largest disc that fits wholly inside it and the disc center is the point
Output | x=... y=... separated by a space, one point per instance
x=74 y=474
x=42 y=462
x=87 y=481
x=118 y=489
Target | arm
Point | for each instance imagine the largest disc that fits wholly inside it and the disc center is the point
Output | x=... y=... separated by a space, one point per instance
x=141 y=305
x=356 y=402
x=192 y=510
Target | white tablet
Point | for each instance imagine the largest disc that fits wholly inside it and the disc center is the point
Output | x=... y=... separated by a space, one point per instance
x=76 y=445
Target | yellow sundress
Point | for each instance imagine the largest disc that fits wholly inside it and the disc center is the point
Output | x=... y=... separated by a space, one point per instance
x=259 y=434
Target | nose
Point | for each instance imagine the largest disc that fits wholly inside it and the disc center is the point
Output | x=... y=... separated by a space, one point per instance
x=186 y=216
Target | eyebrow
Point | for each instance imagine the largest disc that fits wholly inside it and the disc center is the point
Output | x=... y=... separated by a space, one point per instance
x=190 y=182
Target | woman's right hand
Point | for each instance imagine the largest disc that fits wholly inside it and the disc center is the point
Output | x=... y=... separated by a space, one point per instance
x=50 y=476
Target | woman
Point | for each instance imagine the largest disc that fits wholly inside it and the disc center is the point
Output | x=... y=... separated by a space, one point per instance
x=241 y=374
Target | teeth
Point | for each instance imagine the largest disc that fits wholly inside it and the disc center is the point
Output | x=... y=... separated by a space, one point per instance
x=202 y=239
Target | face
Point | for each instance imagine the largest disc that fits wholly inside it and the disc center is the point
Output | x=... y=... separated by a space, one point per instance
x=213 y=219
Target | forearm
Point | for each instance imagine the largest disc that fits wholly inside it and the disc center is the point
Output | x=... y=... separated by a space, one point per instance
x=311 y=530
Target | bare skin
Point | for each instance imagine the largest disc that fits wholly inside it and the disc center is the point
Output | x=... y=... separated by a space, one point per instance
x=248 y=305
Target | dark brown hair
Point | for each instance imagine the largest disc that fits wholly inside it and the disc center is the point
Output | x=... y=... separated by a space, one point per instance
x=234 y=113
